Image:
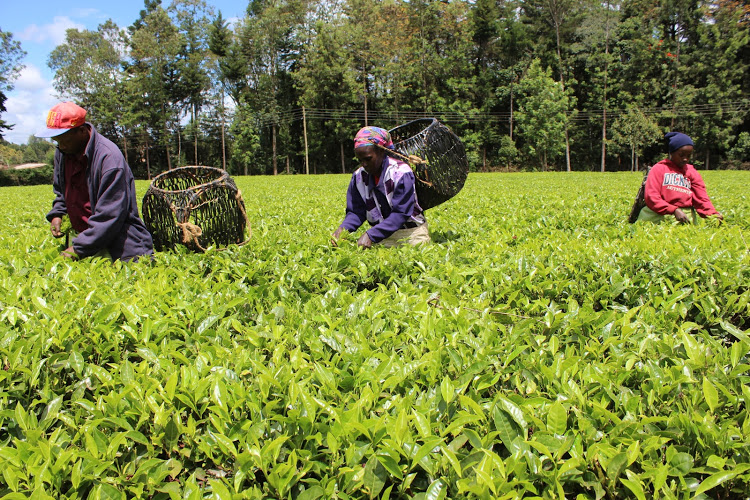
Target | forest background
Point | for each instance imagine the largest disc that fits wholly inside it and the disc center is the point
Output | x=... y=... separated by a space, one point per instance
x=526 y=84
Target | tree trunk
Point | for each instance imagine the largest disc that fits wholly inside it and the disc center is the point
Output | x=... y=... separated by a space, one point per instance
x=125 y=147
x=166 y=145
x=304 y=131
x=343 y=161
x=562 y=82
x=675 y=85
x=196 y=131
x=364 y=90
x=148 y=162
x=511 y=110
x=273 y=143
x=604 y=98
x=604 y=138
x=223 y=140
x=287 y=164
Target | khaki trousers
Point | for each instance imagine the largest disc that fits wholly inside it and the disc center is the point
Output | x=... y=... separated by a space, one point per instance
x=649 y=215
x=412 y=236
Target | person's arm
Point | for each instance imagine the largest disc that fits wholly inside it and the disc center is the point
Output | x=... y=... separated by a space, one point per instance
x=402 y=206
x=109 y=213
x=58 y=204
x=701 y=202
x=654 y=199
x=356 y=211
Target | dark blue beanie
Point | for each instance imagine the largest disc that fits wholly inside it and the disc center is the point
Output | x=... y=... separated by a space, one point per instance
x=677 y=140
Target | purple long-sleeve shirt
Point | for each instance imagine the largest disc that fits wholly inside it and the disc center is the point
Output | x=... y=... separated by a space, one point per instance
x=387 y=206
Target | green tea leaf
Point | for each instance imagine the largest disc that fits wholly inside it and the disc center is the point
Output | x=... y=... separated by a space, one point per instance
x=375 y=476
x=506 y=428
x=557 y=419
x=714 y=480
x=633 y=483
x=710 y=394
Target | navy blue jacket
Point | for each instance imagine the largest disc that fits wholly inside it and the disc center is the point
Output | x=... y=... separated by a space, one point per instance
x=114 y=224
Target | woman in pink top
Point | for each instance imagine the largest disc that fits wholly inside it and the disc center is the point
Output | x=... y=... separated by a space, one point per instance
x=674 y=185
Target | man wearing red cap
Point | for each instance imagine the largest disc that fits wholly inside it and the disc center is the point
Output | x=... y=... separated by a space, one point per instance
x=94 y=186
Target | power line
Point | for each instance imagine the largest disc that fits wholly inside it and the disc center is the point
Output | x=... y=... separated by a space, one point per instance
x=358 y=115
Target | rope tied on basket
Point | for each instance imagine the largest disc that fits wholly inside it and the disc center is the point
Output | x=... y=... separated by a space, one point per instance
x=190 y=233
x=412 y=160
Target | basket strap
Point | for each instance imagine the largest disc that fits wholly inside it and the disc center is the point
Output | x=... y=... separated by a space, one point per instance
x=412 y=160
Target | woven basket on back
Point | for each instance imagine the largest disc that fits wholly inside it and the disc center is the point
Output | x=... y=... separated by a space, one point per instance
x=640 y=199
x=196 y=206
x=446 y=168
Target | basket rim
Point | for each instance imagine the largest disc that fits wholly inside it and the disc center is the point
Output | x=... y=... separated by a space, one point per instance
x=431 y=121
x=223 y=174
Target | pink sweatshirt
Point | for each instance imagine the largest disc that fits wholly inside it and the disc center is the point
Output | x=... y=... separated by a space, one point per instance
x=669 y=187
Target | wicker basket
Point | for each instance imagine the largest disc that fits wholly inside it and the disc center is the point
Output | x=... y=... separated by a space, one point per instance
x=446 y=168
x=640 y=200
x=196 y=206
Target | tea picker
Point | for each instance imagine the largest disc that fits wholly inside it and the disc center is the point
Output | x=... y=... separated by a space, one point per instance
x=403 y=172
x=673 y=187
x=95 y=188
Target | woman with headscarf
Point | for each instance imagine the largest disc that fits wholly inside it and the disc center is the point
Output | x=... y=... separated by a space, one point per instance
x=382 y=192
x=673 y=186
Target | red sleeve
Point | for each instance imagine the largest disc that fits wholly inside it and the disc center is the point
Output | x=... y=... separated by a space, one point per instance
x=701 y=202
x=654 y=199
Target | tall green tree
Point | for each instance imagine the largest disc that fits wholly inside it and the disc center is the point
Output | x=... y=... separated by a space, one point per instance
x=719 y=74
x=271 y=38
x=219 y=44
x=635 y=130
x=155 y=45
x=327 y=78
x=561 y=18
x=88 y=70
x=192 y=19
x=10 y=66
x=542 y=114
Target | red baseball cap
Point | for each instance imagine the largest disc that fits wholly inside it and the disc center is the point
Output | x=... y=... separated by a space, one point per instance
x=61 y=118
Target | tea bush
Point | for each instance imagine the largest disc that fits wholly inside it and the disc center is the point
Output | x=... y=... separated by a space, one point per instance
x=541 y=347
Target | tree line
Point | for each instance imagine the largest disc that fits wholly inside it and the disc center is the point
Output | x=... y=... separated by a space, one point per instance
x=526 y=84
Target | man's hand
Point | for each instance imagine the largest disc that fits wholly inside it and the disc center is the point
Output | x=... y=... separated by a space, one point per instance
x=69 y=253
x=364 y=241
x=336 y=235
x=54 y=227
x=681 y=217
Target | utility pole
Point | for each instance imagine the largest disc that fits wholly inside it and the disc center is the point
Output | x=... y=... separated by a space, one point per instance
x=304 y=130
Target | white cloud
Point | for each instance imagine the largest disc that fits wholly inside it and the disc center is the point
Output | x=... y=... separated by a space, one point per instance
x=30 y=79
x=28 y=105
x=53 y=32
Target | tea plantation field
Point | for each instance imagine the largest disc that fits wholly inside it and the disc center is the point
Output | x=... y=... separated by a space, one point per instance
x=541 y=347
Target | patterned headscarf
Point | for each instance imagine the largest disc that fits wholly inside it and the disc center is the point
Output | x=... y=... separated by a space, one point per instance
x=373 y=136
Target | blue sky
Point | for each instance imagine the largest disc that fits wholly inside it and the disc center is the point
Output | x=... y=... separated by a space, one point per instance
x=39 y=25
